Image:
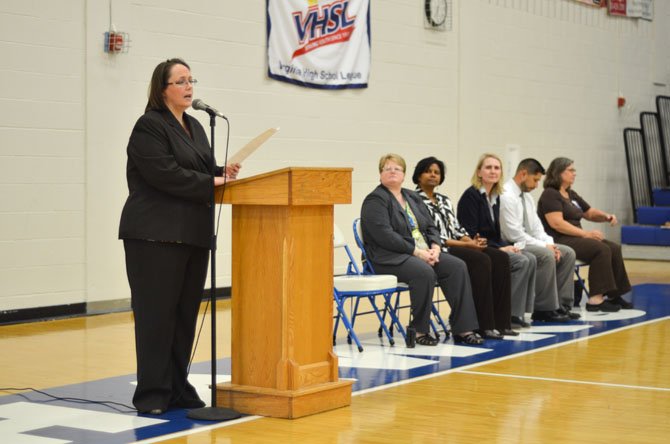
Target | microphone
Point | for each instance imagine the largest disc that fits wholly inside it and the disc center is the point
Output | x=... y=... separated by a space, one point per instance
x=202 y=106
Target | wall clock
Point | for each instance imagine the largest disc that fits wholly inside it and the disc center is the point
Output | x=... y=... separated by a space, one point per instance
x=436 y=12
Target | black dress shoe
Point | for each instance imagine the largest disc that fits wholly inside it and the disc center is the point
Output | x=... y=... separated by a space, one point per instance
x=566 y=311
x=604 y=306
x=509 y=332
x=549 y=316
x=152 y=412
x=490 y=334
x=188 y=403
x=621 y=302
x=519 y=323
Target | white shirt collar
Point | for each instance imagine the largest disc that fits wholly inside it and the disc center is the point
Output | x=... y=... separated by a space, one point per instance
x=513 y=188
x=491 y=198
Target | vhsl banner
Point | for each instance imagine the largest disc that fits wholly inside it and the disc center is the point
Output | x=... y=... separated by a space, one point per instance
x=319 y=44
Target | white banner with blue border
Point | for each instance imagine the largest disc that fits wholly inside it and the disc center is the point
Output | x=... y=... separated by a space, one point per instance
x=319 y=44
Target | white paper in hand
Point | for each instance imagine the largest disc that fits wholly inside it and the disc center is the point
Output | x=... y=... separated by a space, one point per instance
x=252 y=146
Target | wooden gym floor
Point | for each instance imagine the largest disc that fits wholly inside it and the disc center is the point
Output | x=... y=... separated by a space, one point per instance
x=606 y=388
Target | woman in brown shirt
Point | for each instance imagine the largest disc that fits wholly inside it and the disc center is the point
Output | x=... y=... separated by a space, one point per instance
x=561 y=209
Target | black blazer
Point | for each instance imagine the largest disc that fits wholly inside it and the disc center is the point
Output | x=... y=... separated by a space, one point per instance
x=169 y=182
x=386 y=229
x=474 y=215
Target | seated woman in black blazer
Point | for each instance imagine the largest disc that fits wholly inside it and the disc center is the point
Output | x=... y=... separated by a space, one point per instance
x=401 y=239
x=488 y=267
x=479 y=213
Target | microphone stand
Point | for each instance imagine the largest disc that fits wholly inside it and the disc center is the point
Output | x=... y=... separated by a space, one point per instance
x=213 y=413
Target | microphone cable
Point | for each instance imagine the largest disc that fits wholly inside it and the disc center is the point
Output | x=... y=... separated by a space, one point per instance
x=110 y=404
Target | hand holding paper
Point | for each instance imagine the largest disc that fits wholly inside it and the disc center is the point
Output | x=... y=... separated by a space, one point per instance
x=232 y=170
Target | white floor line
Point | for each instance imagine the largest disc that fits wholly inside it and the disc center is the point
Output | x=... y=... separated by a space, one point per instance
x=406 y=381
x=569 y=381
x=504 y=358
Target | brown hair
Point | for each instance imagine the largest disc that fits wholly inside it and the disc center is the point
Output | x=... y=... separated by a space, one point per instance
x=476 y=181
x=159 y=80
x=556 y=168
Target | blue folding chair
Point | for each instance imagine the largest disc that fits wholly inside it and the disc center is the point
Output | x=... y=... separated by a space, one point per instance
x=369 y=270
x=356 y=286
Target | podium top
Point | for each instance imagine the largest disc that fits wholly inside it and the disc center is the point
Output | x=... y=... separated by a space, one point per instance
x=290 y=186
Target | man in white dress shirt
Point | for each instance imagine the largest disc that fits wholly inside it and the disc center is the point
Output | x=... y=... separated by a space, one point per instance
x=519 y=222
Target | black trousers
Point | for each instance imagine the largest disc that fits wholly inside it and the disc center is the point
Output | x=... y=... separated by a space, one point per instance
x=491 y=286
x=166 y=282
x=452 y=276
x=607 y=272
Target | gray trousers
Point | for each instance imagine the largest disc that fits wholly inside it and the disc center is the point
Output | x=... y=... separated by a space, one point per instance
x=451 y=274
x=565 y=269
x=522 y=267
x=553 y=280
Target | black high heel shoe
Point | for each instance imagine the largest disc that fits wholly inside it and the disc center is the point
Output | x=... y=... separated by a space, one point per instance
x=152 y=412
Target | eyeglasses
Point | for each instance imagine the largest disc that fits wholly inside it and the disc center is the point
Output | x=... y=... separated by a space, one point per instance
x=183 y=82
x=394 y=169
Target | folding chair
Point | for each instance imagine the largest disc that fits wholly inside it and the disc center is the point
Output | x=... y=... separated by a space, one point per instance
x=356 y=286
x=368 y=269
x=580 y=284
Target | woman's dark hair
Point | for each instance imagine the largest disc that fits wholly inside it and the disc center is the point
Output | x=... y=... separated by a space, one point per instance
x=159 y=80
x=423 y=166
x=556 y=168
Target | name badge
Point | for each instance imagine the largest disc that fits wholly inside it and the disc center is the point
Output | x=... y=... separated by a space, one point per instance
x=574 y=202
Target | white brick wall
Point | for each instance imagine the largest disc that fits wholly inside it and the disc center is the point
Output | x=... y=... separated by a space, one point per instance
x=543 y=74
x=42 y=152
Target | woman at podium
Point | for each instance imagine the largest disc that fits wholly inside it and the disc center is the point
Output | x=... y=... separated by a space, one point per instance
x=401 y=239
x=166 y=229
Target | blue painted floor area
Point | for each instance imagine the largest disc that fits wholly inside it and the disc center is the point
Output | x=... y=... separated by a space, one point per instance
x=32 y=418
x=652 y=301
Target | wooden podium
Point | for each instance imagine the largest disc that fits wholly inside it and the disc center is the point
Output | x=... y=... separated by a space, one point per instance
x=283 y=363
